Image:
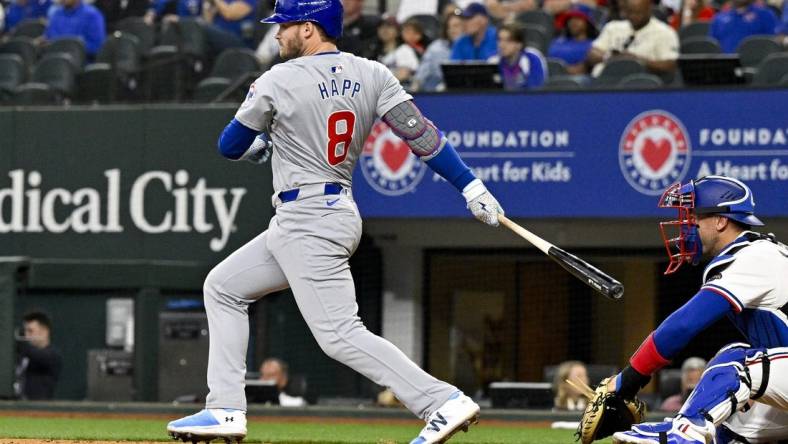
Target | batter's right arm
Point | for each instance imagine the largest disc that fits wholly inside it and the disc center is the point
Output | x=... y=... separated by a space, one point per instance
x=427 y=142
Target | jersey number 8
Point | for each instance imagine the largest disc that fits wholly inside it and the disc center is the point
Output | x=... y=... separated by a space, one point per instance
x=340 y=135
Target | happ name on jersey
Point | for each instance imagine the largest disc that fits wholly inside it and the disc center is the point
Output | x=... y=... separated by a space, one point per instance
x=347 y=86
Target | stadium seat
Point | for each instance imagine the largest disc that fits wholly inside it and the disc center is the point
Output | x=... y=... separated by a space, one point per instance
x=600 y=14
x=97 y=84
x=57 y=71
x=21 y=46
x=71 y=46
x=771 y=70
x=211 y=88
x=563 y=82
x=556 y=67
x=12 y=73
x=31 y=28
x=617 y=69
x=234 y=63
x=165 y=73
x=753 y=49
x=640 y=81
x=137 y=27
x=539 y=18
x=431 y=25
x=30 y=94
x=121 y=51
x=700 y=45
x=697 y=29
x=537 y=37
x=187 y=35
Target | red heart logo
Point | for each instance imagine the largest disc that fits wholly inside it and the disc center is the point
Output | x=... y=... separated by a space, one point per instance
x=394 y=154
x=656 y=153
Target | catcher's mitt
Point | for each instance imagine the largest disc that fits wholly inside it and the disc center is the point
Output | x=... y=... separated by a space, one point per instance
x=607 y=413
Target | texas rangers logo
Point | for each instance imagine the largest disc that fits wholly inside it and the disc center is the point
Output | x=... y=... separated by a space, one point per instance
x=654 y=152
x=388 y=164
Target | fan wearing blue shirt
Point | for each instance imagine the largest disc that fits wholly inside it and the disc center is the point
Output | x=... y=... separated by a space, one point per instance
x=521 y=67
x=575 y=41
x=76 y=19
x=19 y=10
x=479 y=41
x=745 y=18
x=231 y=23
x=178 y=8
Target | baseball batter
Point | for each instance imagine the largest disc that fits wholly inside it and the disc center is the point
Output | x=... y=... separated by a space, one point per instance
x=318 y=109
x=747 y=281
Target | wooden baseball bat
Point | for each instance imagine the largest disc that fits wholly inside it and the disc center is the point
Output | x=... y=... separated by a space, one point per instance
x=592 y=276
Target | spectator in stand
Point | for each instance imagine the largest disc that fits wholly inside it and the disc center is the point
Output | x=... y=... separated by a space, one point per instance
x=694 y=11
x=743 y=19
x=429 y=76
x=691 y=371
x=276 y=370
x=114 y=10
x=229 y=24
x=38 y=364
x=783 y=31
x=401 y=58
x=506 y=10
x=480 y=39
x=577 y=34
x=171 y=10
x=640 y=37
x=2 y=19
x=18 y=10
x=566 y=396
x=360 y=31
x=522 y=67
x=73 y=18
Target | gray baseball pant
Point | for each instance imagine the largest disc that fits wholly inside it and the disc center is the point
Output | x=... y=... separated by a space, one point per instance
x=306 y=247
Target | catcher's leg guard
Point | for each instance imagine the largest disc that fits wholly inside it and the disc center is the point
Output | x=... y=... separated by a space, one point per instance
x=724 y=388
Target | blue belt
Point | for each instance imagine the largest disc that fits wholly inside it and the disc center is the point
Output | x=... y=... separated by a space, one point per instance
x=291 y=195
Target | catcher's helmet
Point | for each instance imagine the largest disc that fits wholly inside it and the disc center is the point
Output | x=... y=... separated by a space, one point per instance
x=720 y=195
x=326 y=13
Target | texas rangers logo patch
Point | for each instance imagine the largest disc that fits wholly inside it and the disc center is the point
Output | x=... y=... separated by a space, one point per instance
x=388 y=164
x=654 y=152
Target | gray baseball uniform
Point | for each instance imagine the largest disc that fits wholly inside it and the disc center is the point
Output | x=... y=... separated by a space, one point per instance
x=318 y=110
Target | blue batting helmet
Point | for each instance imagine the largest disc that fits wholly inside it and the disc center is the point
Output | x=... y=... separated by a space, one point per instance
x=326 y=13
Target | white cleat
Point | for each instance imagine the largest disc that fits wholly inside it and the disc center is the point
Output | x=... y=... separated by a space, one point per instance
x=209 y=424
x=458 y=413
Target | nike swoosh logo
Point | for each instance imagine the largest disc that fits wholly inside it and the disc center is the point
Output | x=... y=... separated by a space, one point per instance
x=331 y=203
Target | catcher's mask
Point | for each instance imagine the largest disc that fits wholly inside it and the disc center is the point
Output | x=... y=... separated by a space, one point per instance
x=720 y=195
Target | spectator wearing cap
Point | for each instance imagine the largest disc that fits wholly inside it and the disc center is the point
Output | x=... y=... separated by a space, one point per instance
x=480 y=39
x=401 y=58
x=521 y=67
x=694 y=11
x=429 y=76
x=577 y=34
x=743 y=19
x=73 y=18
x=640 y=37
x=691 y=371
x=359 y=31
x=19 y=10
x=504 y=10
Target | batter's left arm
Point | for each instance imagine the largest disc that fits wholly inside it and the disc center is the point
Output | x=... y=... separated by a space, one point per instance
x=427 y=142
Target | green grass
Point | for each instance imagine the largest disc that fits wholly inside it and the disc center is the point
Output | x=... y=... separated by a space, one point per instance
x=324 y=432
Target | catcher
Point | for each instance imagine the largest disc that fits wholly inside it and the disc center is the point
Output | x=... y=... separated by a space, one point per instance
x=746 y=280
